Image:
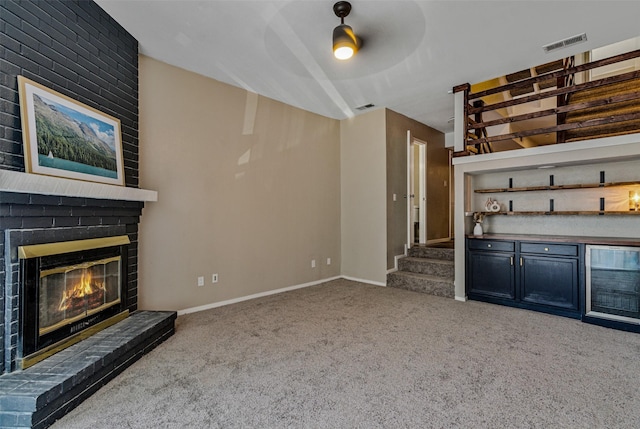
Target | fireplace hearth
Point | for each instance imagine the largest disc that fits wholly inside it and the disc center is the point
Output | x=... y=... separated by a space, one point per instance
x=39 y=395
x=69 y=291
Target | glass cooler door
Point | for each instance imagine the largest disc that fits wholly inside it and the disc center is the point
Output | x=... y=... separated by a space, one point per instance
x=613 y=283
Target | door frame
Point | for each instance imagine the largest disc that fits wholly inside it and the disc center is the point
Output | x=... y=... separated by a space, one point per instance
x=412 y=143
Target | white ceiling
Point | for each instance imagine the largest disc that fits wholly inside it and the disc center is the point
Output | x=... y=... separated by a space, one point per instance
x=414 y=51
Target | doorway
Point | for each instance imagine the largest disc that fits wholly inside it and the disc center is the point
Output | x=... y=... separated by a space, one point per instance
x=416 y=191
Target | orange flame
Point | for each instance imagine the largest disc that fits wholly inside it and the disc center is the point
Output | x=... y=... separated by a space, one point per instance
x=83 y=288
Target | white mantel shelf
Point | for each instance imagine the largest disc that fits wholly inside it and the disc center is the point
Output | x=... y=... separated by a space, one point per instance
x=25 y=183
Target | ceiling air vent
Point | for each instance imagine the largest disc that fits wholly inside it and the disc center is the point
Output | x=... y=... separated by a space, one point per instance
x=569 y=41
x=365 y=107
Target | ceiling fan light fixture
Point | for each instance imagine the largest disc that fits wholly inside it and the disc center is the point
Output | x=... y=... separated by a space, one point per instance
x=345 y=42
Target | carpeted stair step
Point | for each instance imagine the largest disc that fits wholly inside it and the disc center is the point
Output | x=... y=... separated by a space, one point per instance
x=424 y=283
x=609 y=110
x=431 y=252
x=434 y=267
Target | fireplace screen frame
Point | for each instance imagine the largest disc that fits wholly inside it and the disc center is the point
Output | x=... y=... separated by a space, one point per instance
x=43 y=257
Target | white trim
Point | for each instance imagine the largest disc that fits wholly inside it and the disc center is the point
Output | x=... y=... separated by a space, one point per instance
x=422 y=186
x=458 y=122
x=395 y=262
x=26 y=183
x=449 y=199
x=581 y=151
x=460 y=298
x=254 y=296
x=410 y=237
x=364 y=281
x=416 y=192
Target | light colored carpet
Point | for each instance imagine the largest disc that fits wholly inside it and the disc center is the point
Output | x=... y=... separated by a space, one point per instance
x=349 y=355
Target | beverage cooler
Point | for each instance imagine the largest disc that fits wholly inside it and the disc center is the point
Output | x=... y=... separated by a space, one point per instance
x=613 y=285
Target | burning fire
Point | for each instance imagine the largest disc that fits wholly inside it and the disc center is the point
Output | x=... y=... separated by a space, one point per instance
x=85 y=287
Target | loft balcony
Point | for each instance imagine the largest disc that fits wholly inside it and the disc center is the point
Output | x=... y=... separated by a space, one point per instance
x=582 y=97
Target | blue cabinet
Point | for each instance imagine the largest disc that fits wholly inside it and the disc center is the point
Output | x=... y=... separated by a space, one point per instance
x=490 y=263
x=550 y=281
x=527 y=274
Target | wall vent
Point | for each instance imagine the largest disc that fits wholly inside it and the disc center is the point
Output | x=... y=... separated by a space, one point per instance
x=365 y=107
x=569 y=41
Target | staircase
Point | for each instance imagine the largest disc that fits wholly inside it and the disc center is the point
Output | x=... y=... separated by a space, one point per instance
x=620 y=90
x=426 y=269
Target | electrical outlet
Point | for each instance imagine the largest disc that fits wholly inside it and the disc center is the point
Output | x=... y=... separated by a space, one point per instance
x=395 y=197
x=328 y=261
x=201 y=281
x=214 y=278
x=313 y=263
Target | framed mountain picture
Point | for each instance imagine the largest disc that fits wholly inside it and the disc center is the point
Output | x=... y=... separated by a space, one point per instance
x=65 y=138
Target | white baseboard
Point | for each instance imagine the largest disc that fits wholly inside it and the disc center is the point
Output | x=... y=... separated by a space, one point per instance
x=371 y=282
x=461 y=298
x=395 y=263
x=439 y=240
x=254 y=296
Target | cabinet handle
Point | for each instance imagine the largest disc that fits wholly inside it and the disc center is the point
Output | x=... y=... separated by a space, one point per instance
x=488 y=245
x=546 y=249
x=511 y=260
x=520 y=261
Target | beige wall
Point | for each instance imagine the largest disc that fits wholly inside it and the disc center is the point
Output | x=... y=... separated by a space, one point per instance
x=396 y=171
x=363 y=197
x=249 y=188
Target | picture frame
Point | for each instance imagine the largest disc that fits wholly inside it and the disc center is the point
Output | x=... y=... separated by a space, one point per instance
x=65 y=138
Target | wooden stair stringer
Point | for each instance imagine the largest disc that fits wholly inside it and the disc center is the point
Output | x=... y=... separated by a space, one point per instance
x=607 y=110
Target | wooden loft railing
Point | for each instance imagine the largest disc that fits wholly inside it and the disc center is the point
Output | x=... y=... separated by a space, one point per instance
x=597 y=108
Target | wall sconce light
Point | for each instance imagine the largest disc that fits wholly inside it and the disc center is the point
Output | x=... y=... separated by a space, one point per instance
x=634 y=200
x=345 y=42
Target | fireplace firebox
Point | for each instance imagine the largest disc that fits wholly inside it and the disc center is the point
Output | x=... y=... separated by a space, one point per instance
x=70 y=290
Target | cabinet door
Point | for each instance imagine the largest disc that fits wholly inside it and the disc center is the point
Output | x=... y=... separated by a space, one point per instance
x=491 y=274
x=549 y=281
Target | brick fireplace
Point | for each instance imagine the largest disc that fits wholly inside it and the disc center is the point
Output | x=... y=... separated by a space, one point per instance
x=27 y=225
x=77 y=49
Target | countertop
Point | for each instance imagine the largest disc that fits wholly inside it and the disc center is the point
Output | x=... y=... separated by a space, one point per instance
x=612 y=241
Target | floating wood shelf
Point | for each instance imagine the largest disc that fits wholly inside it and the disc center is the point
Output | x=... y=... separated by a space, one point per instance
x=562 y=213
x=557 y=187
